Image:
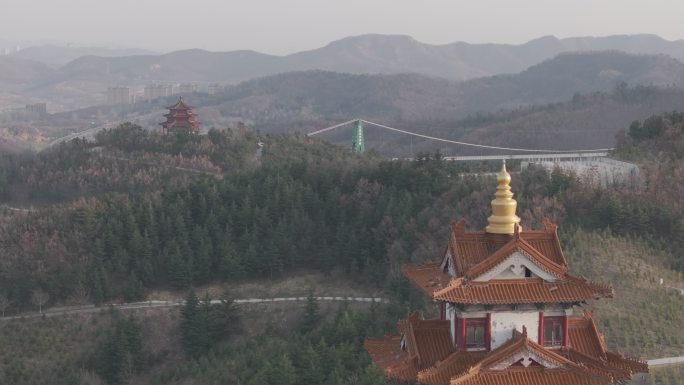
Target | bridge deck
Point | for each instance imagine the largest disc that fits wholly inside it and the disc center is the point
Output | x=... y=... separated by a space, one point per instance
x=577 y=155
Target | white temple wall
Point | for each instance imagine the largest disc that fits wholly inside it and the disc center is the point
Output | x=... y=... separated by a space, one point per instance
x=503 y=324
x=513 y=267
x=451 y=316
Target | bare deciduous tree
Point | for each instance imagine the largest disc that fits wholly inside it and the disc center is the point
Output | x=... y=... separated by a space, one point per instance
x=80 y=295
x=40 y=298
x=4 y=304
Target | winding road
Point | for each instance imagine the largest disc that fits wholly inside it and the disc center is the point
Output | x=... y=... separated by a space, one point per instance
x=65 y=310
x=59 y=311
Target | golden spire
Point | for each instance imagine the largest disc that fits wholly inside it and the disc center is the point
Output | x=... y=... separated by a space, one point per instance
x=503 y=219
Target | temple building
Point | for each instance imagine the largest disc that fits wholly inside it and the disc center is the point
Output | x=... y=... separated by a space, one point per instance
x=180 y=118
x=506 y=299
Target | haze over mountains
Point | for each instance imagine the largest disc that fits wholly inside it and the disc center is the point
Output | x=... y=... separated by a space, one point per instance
x=385 y=54
x=386 y=78
x=57 y=56
x=550 y=105
x=300 y=96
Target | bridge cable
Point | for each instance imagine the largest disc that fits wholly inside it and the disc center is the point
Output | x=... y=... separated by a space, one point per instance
x=478 y=145
x=453 y=141
x=330 y=128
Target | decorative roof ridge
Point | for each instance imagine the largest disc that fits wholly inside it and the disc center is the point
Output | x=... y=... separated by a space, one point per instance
x=458 y=227
x=617 y=355
x=412 y=345
x=549 y=226
x=552 y=229
x=517 y=243
x=180 y=104
x=518 y=342
x=454 y=283
x=594 y=329
x=615 y=365
x=596 y=285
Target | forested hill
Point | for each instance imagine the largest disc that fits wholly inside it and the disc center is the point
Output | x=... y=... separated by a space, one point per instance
x=127 y=159
x=343 y=211
x=304 y=205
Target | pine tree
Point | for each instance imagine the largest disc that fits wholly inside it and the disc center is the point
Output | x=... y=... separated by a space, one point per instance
x=311 y=315
x=191 y=326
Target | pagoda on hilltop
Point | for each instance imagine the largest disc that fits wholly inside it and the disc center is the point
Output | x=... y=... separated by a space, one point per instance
x=180 y=118
x=506 y=300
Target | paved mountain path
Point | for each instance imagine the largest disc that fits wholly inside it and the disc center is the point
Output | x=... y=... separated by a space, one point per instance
x=65 y=310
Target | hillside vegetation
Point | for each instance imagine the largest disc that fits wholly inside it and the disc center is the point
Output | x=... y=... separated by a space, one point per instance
x=309 y=205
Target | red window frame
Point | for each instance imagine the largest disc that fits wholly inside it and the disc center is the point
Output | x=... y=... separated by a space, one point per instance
x=554 y=331
x=468 y=326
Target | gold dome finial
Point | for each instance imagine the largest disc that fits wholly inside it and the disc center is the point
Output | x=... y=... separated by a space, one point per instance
x=503 y=219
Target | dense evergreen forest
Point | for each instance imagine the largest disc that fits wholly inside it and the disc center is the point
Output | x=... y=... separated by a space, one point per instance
x=135 y=211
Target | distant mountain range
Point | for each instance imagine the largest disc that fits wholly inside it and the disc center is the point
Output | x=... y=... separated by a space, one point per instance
x=57 y=56
x=276 y=101
x=480 y=76
x=553 y=104
x=366 y=54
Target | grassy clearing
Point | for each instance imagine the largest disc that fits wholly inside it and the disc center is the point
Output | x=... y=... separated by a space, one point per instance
x=294 y=284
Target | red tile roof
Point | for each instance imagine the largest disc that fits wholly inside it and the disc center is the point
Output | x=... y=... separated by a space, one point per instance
x=585 y=337
x=393 y=361
x=588 y=347
x=427 y=342
x=456 y=363
x=553 y=368
x=516 y=244
x=522 y=291
x=532 y=376
x=428 y=277
x=469 y=248
x=445 y=366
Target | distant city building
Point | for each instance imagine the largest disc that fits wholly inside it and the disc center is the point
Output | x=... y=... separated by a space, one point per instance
x=37 y=109
x=187 y=88
x=180 y=118
x=156 y=91
x=118 y=95
x=29 y=112
x=213 y=88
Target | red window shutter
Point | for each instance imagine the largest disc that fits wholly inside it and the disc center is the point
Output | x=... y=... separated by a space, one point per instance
x=541 y=328
x=462 y=342
x=488 y=332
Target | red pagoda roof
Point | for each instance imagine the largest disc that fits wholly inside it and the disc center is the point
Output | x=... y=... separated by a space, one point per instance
x=425 y=342
x=180 y=105
x=504 y=266
x=180 y=117
x=473 y=254
x=585 y=361
x=522 y=291
x=470 y=248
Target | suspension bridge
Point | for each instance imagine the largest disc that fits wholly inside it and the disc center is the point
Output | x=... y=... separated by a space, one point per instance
x=358 y=145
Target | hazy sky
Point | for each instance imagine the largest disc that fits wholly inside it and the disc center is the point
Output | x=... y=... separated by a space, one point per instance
x=285 y=26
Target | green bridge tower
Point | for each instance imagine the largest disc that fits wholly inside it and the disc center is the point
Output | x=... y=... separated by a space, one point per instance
x=357 y=140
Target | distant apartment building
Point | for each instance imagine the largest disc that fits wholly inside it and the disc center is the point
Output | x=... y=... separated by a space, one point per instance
x=119 y=95
x=155 y=91
x=35 y=111
x=187 y=88
x=214 y=88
